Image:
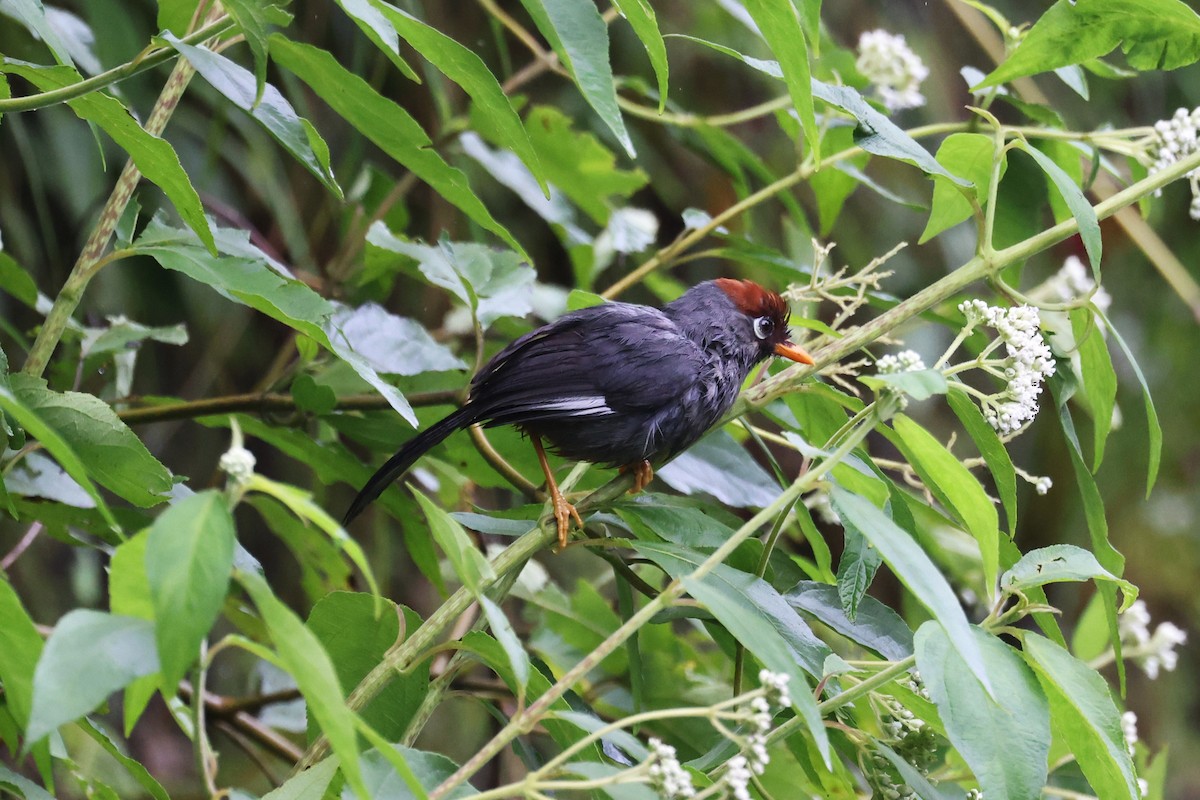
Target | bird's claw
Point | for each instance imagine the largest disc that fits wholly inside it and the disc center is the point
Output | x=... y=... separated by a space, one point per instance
x=643 y=473
x=564 y=512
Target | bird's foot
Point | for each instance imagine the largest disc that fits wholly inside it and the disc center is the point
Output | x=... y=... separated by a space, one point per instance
x=643 y=473
x=564 y=512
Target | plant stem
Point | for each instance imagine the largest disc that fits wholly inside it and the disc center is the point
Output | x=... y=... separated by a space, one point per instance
x=91 y=259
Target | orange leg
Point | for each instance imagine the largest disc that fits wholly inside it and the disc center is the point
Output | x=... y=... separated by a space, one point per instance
x=564 y=512
x=643 y=473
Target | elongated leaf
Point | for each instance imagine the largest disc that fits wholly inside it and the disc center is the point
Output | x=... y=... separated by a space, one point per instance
x=1082 y=712
x=107 y=447
x=153 y=156
x=502 y=629
x=424 y=772
x=994 y=453
x=956 y=488
x=469 y=564
x=580 y=36
x=58 y=447
x=1081 y=209
x=28 y=789
x=255 y=282
x=1005 y=741
x=309 y=784
x=189 y=558
x=780 y=26
x=856 y=569
x=390 y=344
x=875 y=626
x=271 y=109
x=33 y=14
x=758 y=617
x=1099 y=379
x=1155 y=34
x=20 y=647
x=1062 y=562
x=375 y=26
x=918 y=574
x=89 y=656
x=466 y=69
x=131 y=765
x=301 y=654
x=640 y=16
x=1154 y=445
x=386 y=124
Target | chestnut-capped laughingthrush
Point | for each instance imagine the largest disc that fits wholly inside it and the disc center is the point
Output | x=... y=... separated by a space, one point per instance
x=617 y=384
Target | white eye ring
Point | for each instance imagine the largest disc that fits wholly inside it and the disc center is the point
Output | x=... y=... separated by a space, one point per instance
x=764 y=327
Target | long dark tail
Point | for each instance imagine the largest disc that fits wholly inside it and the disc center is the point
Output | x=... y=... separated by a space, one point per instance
x=399 y=464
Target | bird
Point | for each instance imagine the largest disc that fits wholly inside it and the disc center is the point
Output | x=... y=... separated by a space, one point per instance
x=617 y=384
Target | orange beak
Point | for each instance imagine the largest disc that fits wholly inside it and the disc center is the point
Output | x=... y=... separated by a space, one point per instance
x=790 y=351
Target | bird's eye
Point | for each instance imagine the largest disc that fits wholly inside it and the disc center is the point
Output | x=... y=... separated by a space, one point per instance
x=764 y=327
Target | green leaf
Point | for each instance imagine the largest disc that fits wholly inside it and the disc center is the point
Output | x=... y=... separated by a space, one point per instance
x=956 y=488
x=16 y=281
x=1062 y=562
x=462 y=66
x=640 y=16
x=252 y=20
x=128 y=584
x=994 y=453
x=875 y=626
x=580 y=36
x=58 y=447
x=89 y=656
x=20 y=647
x=386 y=124
x=427 y=770
x=1154 y=34
x=376 y=27
x=780 y=27
x=301 y=654
x=580 y=165
x=918 y=384
x=1081 y=209
x=153 y=156
x=309 y=784
x=758 y=617
x=918 y=574
x=502 y=629
x=879 y=135
x=1083 y=714
x=492 y=283
x=1098 y=377
x=265 y=104
x=255 y=282
x=392 y=345
x=131 y=765
x=1154 y=444
x=27 y=788
x=356 y=635
x=970 y=155
x=1004 y=741
x=33 y=14
x=469 y=564
x=189 y=557
x=175 y=15
x=719 y=466
x=856 y=569
x=105 y=445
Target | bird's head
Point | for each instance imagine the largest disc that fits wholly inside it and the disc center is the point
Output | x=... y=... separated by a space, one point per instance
x=766 y=314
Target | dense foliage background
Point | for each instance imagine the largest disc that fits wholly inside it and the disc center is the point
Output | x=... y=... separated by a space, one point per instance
x=454 y=238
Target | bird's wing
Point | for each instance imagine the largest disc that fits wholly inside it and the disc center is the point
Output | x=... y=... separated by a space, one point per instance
x=610 y=359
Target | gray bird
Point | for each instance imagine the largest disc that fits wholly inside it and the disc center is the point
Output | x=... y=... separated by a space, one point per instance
x=618 y=384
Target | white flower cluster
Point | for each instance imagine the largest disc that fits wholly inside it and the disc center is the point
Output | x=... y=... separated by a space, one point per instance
x=1175 y=139
x=1075 y=280
x=776 y=684
x=238 y=463
x=1028 y=364
x=737 y=778
x=975 y=794
x=904 y=361
x=1155 y=650
x=1129 y=730
x=1042 y=484
x=895 y=71
x=667 y=775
